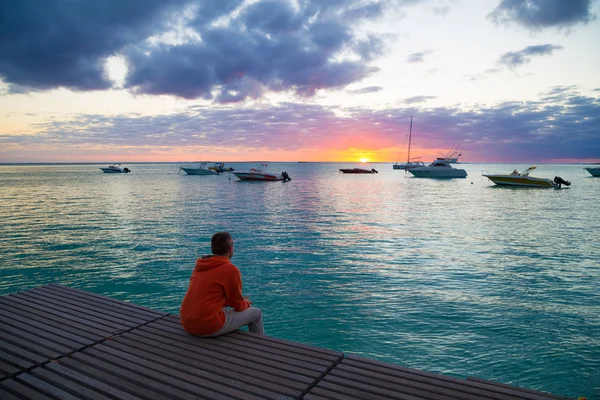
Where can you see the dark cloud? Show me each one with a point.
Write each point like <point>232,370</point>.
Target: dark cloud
<point>418,57</point>
<point>46,44</point>
<point>266,46</point>
<point>561,124</point>
<point>418,99</point>
<point>227,50</point>
<point>514,59</point>
<point>366,90</point>
<point>539,14</point>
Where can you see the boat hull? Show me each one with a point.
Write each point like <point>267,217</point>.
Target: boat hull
<point>594,171</point>
<point>357,171</point>
<point>253,176</point>
<point>435,172</point>
<point>521,181</point>
<point>113,171</point>
<point>198,171</point>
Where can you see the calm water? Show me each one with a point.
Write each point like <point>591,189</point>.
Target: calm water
<point>452,276</point>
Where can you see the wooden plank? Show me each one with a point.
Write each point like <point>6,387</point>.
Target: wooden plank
<point>494,385</point>
<point>137,378</point>
<point>45,387</point>
<point>58,305</point>
<point>108,314</point>
<point>50,310</point>
<point>347,391</point>
<point>87,381</point>
<point>6,329</point>
<point>317,352</point>
<point>67,385</point>
<point>381,384</point>
<point>114,380</point>
<point>319,393</point>
<point>7,369</point>
<point>387,376</point>
<point>232,377</point>
<point>19,357</point>
<point>67,322</point>
<point>204,345</point>
<point>234,349</point>
<point>258,347</point>
<point>28,345</point>
<point>114,302</point>
<point>18,388</point>
<point>215,360</point>
<point>195,380</point>
<point>5,395</point>
<point>34,326</point>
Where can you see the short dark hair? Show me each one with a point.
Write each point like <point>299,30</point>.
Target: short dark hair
<point>220,243</point>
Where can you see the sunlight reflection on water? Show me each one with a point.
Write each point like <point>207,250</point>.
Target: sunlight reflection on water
<point>452,276</point>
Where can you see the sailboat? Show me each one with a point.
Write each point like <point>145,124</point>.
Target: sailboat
<point>408,165</point>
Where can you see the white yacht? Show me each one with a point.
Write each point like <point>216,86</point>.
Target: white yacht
<point>201,170</point>
<point>440,168</point>
<point>115,169</point>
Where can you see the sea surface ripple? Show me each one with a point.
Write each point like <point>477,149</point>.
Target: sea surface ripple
<point>451,276</point>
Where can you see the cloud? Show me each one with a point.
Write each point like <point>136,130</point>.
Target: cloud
<point>540,14</point>
<point>514,59</point>
<point>47,44</point>
<point>270,46</point>
<point>561,124</point>
<point>366,90</point>
<point>225,51</point>
<point>418,99</point>
<point>418,57</point>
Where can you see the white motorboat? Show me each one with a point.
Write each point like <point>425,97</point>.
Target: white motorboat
<point>115,169</point>
<point>261,174</point>
<point>409,164</point>
<point>523,179</point>
<point>200,170</point>
<point>440,168</point>
<point>594,171</point>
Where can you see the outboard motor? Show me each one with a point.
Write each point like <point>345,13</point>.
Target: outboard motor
<point>560,181</point>
<point>286,177</point>
<point>126,170</point>
<point>374,171</point>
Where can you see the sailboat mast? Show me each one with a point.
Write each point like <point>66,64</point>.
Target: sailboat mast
<point>409,139</point>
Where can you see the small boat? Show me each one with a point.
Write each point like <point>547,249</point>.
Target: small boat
<point>201,170</point>
<point>409,164</point>
<point>594,171</point>
<point>115,169</point>
<point>220,167</point>
<point>523,179</point>
<point>261,174</point>
<point>440,168</point>
<point>358,171</point>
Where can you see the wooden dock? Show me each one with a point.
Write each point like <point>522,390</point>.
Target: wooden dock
<point>57,342</point>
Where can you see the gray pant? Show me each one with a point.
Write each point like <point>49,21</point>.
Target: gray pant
<point>251,316</point>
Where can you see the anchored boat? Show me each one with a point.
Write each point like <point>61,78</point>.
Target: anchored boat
<point>440,168</point>
<point>261,174</point>
<point>523,179</point>
<point>115,169</point>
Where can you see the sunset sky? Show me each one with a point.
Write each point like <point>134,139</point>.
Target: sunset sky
<point>299,80</point>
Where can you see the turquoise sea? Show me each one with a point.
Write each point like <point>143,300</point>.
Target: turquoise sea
<point>458,277</point>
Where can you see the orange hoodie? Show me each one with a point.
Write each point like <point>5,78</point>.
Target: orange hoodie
<point>215,283</point>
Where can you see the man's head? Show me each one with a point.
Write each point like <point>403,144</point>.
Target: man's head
<point>222,244</point>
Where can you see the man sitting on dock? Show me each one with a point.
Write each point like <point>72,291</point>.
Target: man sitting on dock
<point>215,284</point>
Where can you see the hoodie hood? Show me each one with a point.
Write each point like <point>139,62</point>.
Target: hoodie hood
<point>205,263</point>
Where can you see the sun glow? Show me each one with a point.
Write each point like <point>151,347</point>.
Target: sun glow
<point>364,160</point>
